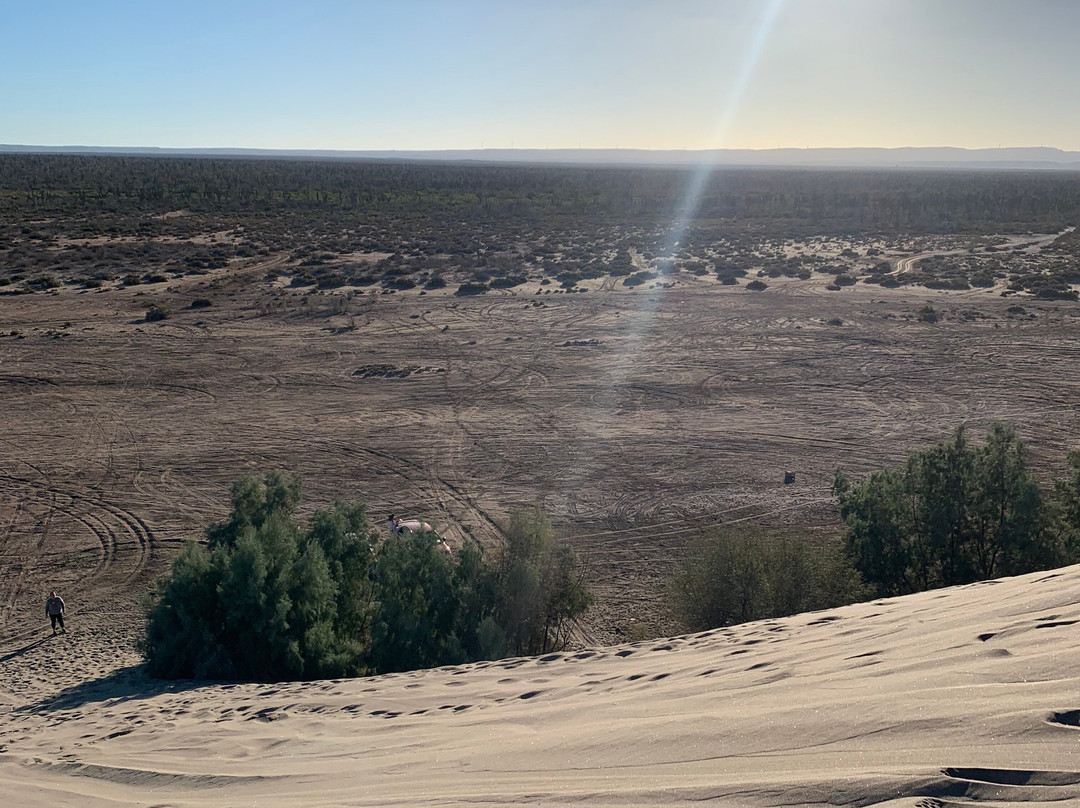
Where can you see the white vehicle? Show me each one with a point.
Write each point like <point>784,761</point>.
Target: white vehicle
<point>400,526</point>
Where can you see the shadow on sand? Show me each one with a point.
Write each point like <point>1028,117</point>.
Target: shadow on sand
<point>125,684</point>
<point>18,652</point>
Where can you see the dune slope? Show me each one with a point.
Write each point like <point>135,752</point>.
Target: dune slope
<point>947,697</point>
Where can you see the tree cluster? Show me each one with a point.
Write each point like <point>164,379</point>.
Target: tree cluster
<point>953,514</point>
<point>956,513</point>
<point>267,598</point>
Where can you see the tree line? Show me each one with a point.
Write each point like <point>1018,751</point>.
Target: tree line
<point>812,200</point>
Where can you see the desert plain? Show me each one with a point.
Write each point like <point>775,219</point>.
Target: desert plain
<point>636,417</point>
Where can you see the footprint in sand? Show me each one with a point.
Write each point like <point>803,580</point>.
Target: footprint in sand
<point>1014,777</point>
<point>1065,718</point>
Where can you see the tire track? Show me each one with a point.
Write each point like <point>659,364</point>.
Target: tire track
<point>125,541</point>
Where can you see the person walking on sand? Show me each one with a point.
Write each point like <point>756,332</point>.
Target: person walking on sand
<point>54,608</point>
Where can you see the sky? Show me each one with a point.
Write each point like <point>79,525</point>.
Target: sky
<point>469,74</point>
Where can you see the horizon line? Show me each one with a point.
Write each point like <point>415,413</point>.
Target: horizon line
<point>44,146</point>
<point>1036,158</point>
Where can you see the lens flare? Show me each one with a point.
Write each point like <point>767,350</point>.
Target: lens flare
<point>637,324</point>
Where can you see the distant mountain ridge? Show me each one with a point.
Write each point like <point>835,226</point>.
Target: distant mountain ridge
<point>1018,158</point>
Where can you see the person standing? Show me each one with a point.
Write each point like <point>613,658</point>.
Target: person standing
<point>54,608</point>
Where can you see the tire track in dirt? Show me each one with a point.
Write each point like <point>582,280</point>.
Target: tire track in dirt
<point>463,500</point>
<point>125,542</point>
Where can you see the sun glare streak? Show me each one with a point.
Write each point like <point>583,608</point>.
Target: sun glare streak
<point>698,180</point>
<point>640,322</point>
<point>700,176</point>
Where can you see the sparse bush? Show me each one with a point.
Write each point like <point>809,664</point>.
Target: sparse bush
<point>638,278</point>
<point>733,577</point>
<point>757,286</point>
<point>508,281</point>
<point>471,288</point>
<point>156,313</point>
<point>539,589</point>
<point>201,303</point>
<point>401,282</point>
<point>44,282</point>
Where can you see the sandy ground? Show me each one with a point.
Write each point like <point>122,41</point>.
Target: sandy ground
<point>635,418</point>
<point>954,697</point>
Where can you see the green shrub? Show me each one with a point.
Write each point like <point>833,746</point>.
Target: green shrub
<point>955,513</point>
<point>416,616</point>
<point>268,599</point>
<point>1066,507</point>
<point>539,590</point>
<point>638,278</point>
<point>265,600</point>
<point>471,288</point>
<point>733,577</point>
<point>156,313</point>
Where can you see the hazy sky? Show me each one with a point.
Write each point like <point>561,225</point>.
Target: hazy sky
<point>433,74</point>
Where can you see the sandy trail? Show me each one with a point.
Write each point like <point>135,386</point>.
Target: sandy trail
<point>1032,243</point>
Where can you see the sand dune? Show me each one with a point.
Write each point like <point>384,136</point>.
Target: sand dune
<point>947,697</point>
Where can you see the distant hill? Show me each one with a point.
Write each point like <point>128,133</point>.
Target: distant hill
<point>1034,158</point>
